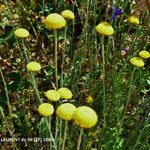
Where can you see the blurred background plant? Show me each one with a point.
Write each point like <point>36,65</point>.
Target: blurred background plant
<point>82,72</point>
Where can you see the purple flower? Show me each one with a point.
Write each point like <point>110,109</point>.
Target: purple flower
<point>126,48</point>
<point>116,12</point>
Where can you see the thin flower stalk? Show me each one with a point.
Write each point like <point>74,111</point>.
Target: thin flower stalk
<point>128,98</point>
<point>65,135</point>
<point>63,56</point>
<point>6,91</point>
<point>80,139</point>
<point>56,59</point>
<point>103,76</point>
<point>34,84</point>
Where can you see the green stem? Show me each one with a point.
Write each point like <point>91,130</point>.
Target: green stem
<point>50,131</point>
<point>80,138</point>
<point>51,135</point>
<point>2,113</point>
<point>103,78</point>
<point>86,29</point>
<point>43,6</point>
<point>63,55</point>
<point>20,50</point>
<point>25,51</point>
<point>56,63</point>
<point>60,134</point>
<point>128,98</point>
<point>65,133</point>
<point>9,107</point>
<point>56,131</point>
<point>142,131</point>
<point>107,9</point>
<point>35,87</point>
<point>6,91</point>
<point>134,40</point>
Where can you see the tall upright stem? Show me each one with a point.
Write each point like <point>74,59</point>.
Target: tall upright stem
<point>6,91</point>
<point>56,64</point>
<point>65,133</point>
<point>35,87</point>
<point>86,28</point>
<point>80,139</point>
<point>142,131</point>
<point>25,51</point>
<point>63,56</point>
<point>128,98</point>
<point>103,78</point>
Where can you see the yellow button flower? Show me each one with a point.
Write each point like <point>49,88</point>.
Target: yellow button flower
<point>33,66</point>
<point>52,95</point>
<point>85,117</point>
<point>2,7</point>
<point>133,20</point>
<point>65,93</point>
<point>21,32</point>
<point>137,61</point>
<point>144,54</point>
<point>68,14</point>
<point>104,28</point>
<point>54,21</point>
<point>89,99</point>
<point>65,111</point>
<point>46,109</point>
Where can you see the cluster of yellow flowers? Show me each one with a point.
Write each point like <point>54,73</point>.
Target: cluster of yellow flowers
<point>57,21</point>
<point>52,21</point>
<point>55,95</point>
<point>83,116</point>
<point>138,61</point>
<point>106,29</point>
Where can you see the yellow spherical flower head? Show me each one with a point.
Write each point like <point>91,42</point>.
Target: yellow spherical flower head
<point>144,54</point>
<point>65,93</point>
<point>21,32</point>
<point>68,14</point>
<point>137,61</point>
<point>33,66</point>
<point>54,21</point>
<point>46,109</point>
<point>85,117</point>
<point>52,95</point>
<point>65,111</point>
<point>104,28</point>
<point>89,99</point>
<point>133,20</point>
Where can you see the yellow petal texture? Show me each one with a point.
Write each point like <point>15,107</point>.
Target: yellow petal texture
<point>68,14</point>
<point>21,32</point>
<point>133,20</point>
<point>65,93</point>
<point>144,54</point>
<point>33,66</point>
<point>65,111</point>
<point>46,109</point>
<point>104,28</point>
<point>54,21</point>
<point>137,61</point>
<point>52,95</point>
<point>85,117</point>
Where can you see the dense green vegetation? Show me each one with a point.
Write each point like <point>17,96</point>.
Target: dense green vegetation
<point>95,55</point>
